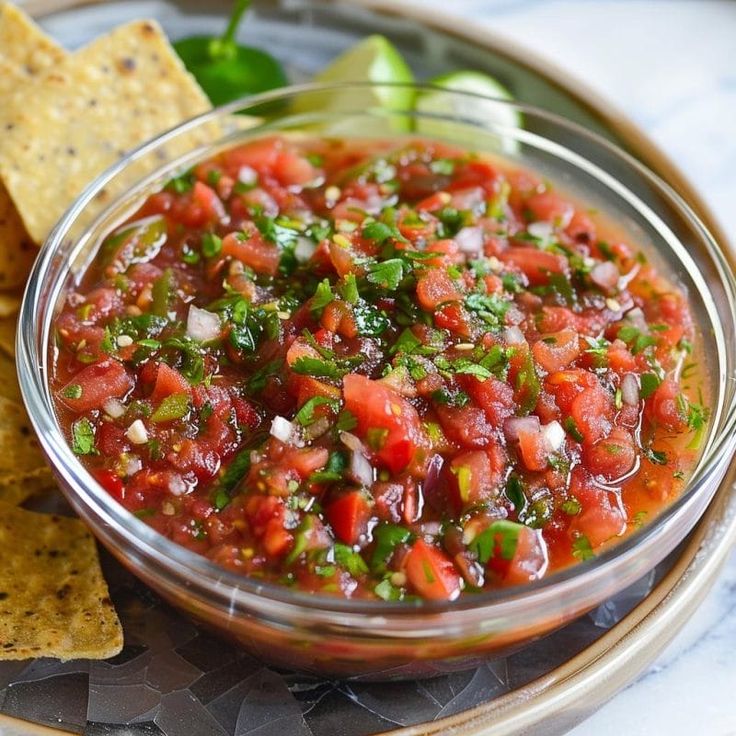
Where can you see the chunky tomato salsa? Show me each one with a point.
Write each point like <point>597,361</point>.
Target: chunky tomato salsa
<point>390,370</point>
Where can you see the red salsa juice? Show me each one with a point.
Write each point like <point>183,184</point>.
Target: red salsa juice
<point>389,370</point>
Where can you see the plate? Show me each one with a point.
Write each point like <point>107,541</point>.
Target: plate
<point>173,678</point>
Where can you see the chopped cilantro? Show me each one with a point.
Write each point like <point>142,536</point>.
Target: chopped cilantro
<point>211,245</point>
<point>491,308</point>
<point>72,391</point>
<point>322,297</point>
<point>387,591</point>
<point>636,339</point>
<point>83,437</point>
<point>349,559</point>
<point>582,549</point>
<point>498,540</point>
<point>337,463</point>
<point>649,383</point>
<point>387,537</point>
<point>386,274</point>
<point>305,415</point>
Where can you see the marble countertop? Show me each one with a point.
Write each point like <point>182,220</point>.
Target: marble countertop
<point>670,66</point>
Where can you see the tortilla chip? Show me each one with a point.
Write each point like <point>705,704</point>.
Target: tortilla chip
<point>9,305</point>
<point>16,490</point>
<point>7,336</point>
<point>9,388</point>
<point>17,250</point>
<point>25,50</point>
<point>80,117</point>
<point>54,601</point>
<point>20,452</point>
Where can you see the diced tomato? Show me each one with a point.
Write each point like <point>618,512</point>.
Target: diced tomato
<point>252,250</point>
<point>534,449</point>
<point>495,397</point>
<point>212,208</point>
<point>550,207</point>
<point>348,516</point>
<point>581,228</point>
<point>436,288</point>
<point>95,384</point>
<point>620,359</point>
<point>310,387</point>
<point>305,460</point>
<point>260,155</point>
<point>454,318</point>
<point>166,381</point>
<point>592,412</point>
<point>473,477</point>
<point>535,264</point>
<point>111,482</point>
<point>613,456</point>
<point>466,425</point>
<point>431,573</point>
<point>387,421</point>
<point>601,517</point>
<point>556,350</point>
<point>530,558</point>
<point>566,385</point>
<point>342,258</point>
<point>662,406</point>
<point>291,169</point>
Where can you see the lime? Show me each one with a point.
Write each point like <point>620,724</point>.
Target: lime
<point>374,59</point>
<point>486,112</point>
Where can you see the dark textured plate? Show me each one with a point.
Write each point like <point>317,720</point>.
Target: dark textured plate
<point>173,678</point>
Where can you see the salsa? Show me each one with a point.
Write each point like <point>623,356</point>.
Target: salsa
<point>391,369</point>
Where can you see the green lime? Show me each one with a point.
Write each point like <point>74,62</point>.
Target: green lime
<point>485,112</point>
<point>374,59</point>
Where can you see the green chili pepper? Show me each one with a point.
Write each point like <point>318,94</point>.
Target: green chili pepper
<point>172,407</point>
<point>226,70</point>
<point>161,294</point>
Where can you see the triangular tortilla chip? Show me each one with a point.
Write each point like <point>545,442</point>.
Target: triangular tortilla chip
<point>15,490</point>
<point>7,335</point>
<point>25,52</point>
<point>9,387</point>
<point>20,452</point>
<point>76,120</point>
<point>54,601</point>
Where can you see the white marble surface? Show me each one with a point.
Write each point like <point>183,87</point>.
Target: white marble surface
<point>670,65</point>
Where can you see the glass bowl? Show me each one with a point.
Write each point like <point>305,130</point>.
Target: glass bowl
<point>329,635</point>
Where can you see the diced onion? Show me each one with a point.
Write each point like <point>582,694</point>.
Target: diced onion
<point>541,230</point>
<point>202,325</point>
<point>513,426</point>
<point>247,175</point>
<point>304,249</point>
<point>630,390</point>
<point>361,469</point>
<point>513,336</point>
<point>351,442</point>
<point>176,485</point>
<point>554,434</point>
<point>605,275</point>
<point>133,465</point>
<point>137,433</point>
<point>470,239</point>
<point>284,430</point>
<point>114,408</point>
<point>637,319</point>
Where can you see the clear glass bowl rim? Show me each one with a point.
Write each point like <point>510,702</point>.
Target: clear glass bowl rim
<point>201,572</point>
